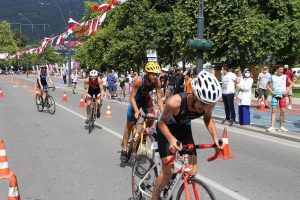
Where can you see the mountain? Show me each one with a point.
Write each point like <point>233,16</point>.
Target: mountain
<point>49,12</point>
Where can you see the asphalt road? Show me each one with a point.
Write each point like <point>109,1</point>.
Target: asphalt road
<point>55,157</point>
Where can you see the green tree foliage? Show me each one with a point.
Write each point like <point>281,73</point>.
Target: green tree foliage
<point>243,32</point>
<point>7,42</point>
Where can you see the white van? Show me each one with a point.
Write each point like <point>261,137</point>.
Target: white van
<point>297,72</point>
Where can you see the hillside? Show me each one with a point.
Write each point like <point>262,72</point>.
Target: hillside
<point>40,12</point>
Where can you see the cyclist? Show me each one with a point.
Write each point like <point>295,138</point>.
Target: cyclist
<point>42,84</point>
<point>93,87</point>
<point>175,123</point>
<point>140,98</point>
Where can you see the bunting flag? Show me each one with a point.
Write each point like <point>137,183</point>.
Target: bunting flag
<point>87,28</point>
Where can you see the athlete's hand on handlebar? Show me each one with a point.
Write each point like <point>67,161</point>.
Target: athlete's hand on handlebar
<point>137,114</point>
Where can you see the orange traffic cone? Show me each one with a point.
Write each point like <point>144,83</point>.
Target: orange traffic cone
<point>13,192</point>
<point>4,170</point>
<point>226,151</point>
<point>1,93</point>
<point>108,112</point>
<point>25,85</point>
<point>262,106</point>
<point>34,89</point>
<point>65,98</point>
<point>81,103</point>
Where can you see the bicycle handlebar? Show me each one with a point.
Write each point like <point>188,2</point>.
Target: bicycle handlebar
<point>148,117</point>
<point>191,147</point>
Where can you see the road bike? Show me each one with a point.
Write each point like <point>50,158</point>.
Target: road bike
<point>142,141</point>
<point>46,100</point>
<point>93,114</point>
<point>145,171</point>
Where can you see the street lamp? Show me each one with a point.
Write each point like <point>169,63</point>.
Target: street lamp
<point>31,25</point>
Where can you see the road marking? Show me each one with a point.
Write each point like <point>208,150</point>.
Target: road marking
<point>206,180</point>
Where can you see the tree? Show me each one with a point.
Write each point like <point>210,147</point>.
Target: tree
<point>7,43</point>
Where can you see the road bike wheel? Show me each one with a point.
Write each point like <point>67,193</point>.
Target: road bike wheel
<point>145,149</point>
<point>39,105</point>
<point>51,105</point>
<point>141,167</point>
<point>203,190</point>
<point>91,121</point>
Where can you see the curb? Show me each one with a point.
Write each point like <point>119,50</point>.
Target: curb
<point>262,130</point>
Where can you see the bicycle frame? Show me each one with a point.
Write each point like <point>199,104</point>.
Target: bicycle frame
<point>182,174</point>
<point>139,134</point>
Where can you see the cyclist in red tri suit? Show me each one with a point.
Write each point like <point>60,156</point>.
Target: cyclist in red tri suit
<point>93,87</point>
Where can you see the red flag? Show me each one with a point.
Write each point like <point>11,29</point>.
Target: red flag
<point>86,32</point>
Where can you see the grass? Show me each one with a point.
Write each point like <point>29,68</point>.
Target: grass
<point>296,92</point>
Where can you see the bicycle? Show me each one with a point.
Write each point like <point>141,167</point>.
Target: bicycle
<point>46,101</point>
<point>142,141</point>
<point>93,114</point>
<point>147,171</point>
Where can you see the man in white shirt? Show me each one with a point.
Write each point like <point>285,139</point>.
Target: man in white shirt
<point>228,90</point>
<point>262,81</point>
<point>279,91</point>
<point>74,77</point>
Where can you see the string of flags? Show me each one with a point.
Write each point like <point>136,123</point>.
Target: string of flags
<point>86,28</point>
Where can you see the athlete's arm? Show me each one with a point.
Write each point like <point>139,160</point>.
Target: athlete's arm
<point>101,87</point>
<point>137,83</point>
<point>39,79</point>
<point>172,106</point>
<point>159,96</point>
<point>211,126</point>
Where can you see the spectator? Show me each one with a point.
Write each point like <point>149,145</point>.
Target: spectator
<point>122,80</point>
<point>239,78</point>
<point>261,86</point>
<point>111,80</point>
<point>104,83</point>
<point>179,87</point>
<point>187,82</point>
<point>244,98</point>
<point>171,82</point>
<point>278,90</point>
<point>228,89</point>
<point>74,77</point>
<point>289,76</point>
<point>64,73</point>
<point>164,79</point>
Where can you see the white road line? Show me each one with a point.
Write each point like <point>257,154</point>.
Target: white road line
<point>206,180</point>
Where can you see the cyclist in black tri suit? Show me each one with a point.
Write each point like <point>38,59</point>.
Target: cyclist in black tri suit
<point>175,123</point>
<point>42,84</point>
<point>140,98</point>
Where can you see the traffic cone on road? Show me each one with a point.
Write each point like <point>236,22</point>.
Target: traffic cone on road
<point>25,85</point>
<point>108,111</point>
<point>226,150</point>
<point>262,106</point>
<point>13,192</point>
<point>81,103</point>
<point>4,169</point>
<point>65,98</point>
<point>1,93</point>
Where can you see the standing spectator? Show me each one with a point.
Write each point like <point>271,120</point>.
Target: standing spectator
<point>262,81</point>
<point>187,82</point>
<point>179,87</point>
<point>74,77</point>
<point>289,76</point>
<point>171,82</point>
<point>239,78</point>
<point>122,80</point>
<point>244,98</point>
<point>278,90</point>
<point>104,83</point>
<point>164,79</point>
<point>111,80</point>
<point>64,73</point>
<point>228,90</point>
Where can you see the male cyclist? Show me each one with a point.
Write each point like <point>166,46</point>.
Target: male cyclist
<point>42,84</point>
<point>140,98</point>
<point>175,123</point>
<point>93,87</point>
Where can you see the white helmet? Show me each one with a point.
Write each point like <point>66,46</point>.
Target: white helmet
<point>93,74</point>
<point>206,87</point>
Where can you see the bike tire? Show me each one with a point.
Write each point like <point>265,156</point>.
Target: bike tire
<point>150,140</point>
<point>51,105</point>
<point>39,106</point>
<point>204,191</point>
<point>91,121</point>
<point>140,168</point>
